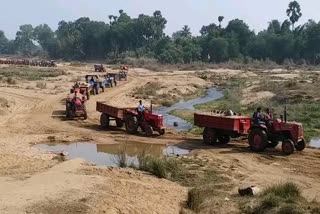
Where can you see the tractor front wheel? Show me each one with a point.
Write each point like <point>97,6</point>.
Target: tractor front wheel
<point>131,124</point>
<point>209,136</point>
<point>104,120</point>
<point>287,147</point>
<point>258,140</point>
<point>301,145</point>
<point>149,130</point>
<point>162,131</point>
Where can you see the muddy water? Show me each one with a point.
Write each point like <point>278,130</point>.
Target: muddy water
<point>315,143</point>
<point>212,94</point>
<point>102,154</point>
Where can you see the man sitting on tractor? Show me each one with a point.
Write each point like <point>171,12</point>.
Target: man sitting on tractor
<point>140,110</point>
<point>257,117</point>
<point>91,82</point>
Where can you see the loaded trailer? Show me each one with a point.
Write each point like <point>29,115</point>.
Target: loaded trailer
<point>219,128</point>
<point>148,122</point>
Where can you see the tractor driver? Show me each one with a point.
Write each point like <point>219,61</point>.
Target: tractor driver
<point>258,117</point>
<point>91,81</point>
<point>140,110</point>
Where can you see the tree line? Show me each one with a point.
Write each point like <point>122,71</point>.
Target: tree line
<point>124,36</point>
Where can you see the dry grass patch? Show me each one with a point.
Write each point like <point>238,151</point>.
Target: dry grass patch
<point>283,198</point>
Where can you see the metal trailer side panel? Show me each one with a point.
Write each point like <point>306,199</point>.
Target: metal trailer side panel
<point>233,123</point>
<point>110,110</point>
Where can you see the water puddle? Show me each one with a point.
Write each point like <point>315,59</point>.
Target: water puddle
<point>315,143</point>
<point>105,155</point>
<point>212,94</point>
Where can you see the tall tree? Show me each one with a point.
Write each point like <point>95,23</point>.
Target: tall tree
<point>294,12</point>
<point>183,33</point>
<point>220,19</point>
<point>274,27</point>
<point>46,38</point>
<point>3,43</point>
<point>24,40</point>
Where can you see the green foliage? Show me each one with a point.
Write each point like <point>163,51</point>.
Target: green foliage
<point>144,37</point>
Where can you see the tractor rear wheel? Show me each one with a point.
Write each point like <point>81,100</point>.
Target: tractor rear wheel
<point>301,145</point>
<point>149,130</point>
<point>131,124</point>
<point>209,136</point>
<point>162,131</point>
<point>104,120</point>
<point>224,139</point>
<point>119,123</point>
<point>287,147</point>
<point>258,140</point>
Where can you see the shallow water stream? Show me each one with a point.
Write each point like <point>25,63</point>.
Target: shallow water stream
<point>212,94</point>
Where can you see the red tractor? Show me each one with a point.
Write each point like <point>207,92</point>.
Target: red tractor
<point>148,122</point>
<point>99,68</point>
<point>84,89</point>
<point>75,107</point>
<point>269,134</point>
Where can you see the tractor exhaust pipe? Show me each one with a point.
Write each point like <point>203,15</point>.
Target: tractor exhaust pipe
<point>285,113</point>
<point>151,107</point>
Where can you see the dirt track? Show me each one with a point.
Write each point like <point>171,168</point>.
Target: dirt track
<point>31,181</point>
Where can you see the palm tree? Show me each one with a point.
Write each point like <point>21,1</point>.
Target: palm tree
<point>220,19</point>
<point>294,12</point>
<point>110,17</point>
<point>185,32</point>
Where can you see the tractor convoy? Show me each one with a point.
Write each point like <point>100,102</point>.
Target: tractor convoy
<point>82,91</point>
<point>219,127</point>
<point>39,63</point>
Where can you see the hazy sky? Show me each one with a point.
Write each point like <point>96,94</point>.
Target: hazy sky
<point>195,13</point>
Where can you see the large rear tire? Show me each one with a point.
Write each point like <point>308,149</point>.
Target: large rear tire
<point>131,124</point>
<point>104,120</point>
<point>149,130</point>
<point>287,147</point>
<point>258,140</point>
<point>209,136</point>
<point>301,145</point>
